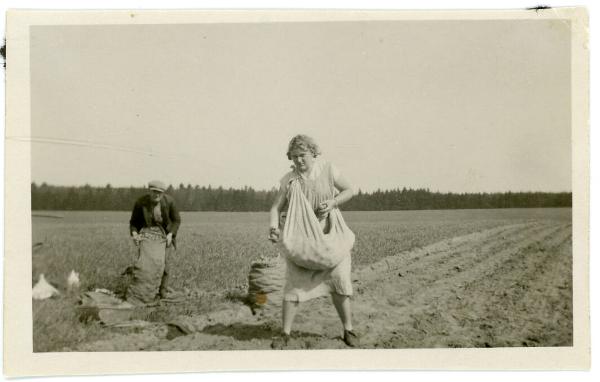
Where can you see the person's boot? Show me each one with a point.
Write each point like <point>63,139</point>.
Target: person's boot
<point>351,338</point>
<point>281,342</point>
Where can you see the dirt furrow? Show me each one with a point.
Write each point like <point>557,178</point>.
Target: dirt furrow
<point>405,283</point>
<point>457,313</point>
<point>440,254</point>
<point>540,292</point>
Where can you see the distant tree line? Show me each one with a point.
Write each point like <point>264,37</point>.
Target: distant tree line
<point>196,198</point>
<point>424,199</point>
<point>187,198</point>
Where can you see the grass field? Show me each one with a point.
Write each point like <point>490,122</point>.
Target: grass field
<point>214,255</point>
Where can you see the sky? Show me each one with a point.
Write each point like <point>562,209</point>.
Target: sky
<point>460,106</point>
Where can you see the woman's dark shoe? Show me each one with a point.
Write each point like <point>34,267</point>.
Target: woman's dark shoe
<point>281,342</point>
<point>351,339</point>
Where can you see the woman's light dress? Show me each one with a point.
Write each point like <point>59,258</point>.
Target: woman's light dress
<point>304,284</point>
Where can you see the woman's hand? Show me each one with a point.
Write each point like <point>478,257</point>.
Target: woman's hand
<point>327,206</point>
<point>274,234</point>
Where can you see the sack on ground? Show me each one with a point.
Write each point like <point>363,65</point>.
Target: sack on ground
<point>265,281</point>
<point>104,306</point>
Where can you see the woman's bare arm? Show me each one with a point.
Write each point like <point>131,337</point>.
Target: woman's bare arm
<point>346,193</point>
<point>276,208</point>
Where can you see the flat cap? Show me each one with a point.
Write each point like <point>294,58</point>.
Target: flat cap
<point>157,185</point>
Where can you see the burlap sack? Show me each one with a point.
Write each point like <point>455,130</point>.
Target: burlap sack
<point>265,282</point>
<point>149,267</point>
<point>304,241</point>
<point>104,306</point>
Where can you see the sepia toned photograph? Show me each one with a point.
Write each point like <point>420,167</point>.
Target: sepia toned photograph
<point>300,183</point>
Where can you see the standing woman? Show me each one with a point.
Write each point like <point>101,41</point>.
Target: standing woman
<point>325,189</point>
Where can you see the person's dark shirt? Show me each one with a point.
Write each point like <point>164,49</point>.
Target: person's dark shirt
<point>142,215</point>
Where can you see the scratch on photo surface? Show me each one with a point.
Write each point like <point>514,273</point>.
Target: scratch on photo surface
<point>538,7</point>
<point>60,141</point>
<point>543,7</point>
<point>3,53</point>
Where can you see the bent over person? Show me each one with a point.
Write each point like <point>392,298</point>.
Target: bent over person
<point>153,226</point>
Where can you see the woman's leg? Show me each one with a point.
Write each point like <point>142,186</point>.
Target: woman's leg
<point>342,305</point>
<point>289,309</point>
<point>289,312</point>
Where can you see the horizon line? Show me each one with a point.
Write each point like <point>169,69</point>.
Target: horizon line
<point>356,189</point>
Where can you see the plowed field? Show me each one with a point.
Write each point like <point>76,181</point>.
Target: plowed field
<point>505,286</point>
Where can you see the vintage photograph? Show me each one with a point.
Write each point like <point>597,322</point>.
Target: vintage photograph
<point>305,184</point>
